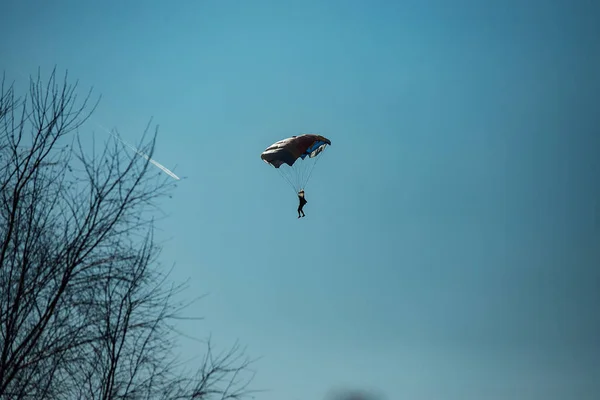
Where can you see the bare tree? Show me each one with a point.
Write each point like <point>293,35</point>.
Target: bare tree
<point>85,310</point>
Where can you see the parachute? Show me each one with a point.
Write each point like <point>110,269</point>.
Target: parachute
<point>289,157</point>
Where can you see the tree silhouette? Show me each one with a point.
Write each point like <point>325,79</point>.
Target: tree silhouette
<point>85,311</point>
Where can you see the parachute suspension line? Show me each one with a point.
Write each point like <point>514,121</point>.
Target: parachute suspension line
<point>300,173</point>
<point>313,166</point>
<point>288,178</point>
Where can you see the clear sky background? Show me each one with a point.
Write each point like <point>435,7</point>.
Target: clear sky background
<point>451,248</point>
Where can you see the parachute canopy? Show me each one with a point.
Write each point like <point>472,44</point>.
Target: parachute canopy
<point>289,150</point>
<point>288,157</point>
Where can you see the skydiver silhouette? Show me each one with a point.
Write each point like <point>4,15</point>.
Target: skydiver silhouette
<point>302,203</point>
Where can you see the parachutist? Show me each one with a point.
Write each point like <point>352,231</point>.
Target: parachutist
<point>302,203</point>
<point>295,158</point>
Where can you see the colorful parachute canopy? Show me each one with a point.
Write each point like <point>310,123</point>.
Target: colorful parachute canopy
<point>289,150</point>
<point>292,152</point>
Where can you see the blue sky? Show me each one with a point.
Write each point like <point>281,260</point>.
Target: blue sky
<point>451,248</point>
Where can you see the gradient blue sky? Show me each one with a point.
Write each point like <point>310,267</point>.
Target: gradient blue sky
<point>451,248</point>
